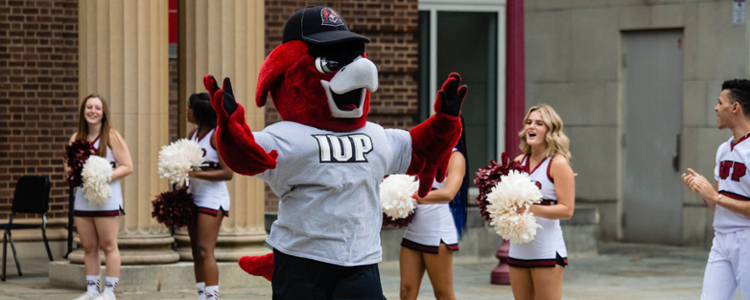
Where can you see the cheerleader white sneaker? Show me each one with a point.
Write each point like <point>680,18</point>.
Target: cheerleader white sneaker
<point>85,296</point>
<point>104,296</point>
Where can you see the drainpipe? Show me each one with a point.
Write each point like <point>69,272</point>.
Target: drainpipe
<point>515,107</point>
<point>515,83</point>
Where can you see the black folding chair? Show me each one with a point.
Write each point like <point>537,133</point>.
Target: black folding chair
<point>31,196</point>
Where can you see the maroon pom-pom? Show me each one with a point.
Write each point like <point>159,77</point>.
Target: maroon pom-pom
<point>489,176</point>
<point>174,208</point>
<point>77,153</point>
<point>398,223</point>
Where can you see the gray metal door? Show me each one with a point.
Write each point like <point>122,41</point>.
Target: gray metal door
<point>652,204</point>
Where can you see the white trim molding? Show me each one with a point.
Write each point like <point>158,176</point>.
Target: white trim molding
<point>468,5</point>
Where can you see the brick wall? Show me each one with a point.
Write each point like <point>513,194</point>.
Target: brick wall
<point>392,26</point>
<point>38,94</point>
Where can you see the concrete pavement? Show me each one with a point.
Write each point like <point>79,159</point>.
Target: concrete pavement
<point>621,271</point>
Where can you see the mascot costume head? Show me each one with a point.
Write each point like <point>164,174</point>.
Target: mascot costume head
<point>324,63</point>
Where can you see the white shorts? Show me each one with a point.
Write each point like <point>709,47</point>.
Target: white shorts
<point>210,196</point>
<point>728,267</point>
<point>113,206</point>
<point>547,249</point>
<point>432,224</point>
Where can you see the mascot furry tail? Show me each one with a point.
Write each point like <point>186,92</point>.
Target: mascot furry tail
<point>258,265</point>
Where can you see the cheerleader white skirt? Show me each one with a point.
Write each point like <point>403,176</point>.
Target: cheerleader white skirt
<point>211,197</point>
<point>432,225</point>
<point>547,249</point>
<point>113,206</point>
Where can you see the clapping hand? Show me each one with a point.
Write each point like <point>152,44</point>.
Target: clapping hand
<point>699,185</point>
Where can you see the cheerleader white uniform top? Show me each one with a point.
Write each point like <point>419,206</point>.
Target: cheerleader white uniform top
<point>210,196</point>
<point>113,206</point>
<point>547,249</point>
<point>730,172</point>
<point>431,225</point>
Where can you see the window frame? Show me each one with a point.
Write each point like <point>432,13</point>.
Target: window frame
<point>497,6</point>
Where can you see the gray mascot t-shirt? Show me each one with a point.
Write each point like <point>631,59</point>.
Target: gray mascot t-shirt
<point>328,183</point>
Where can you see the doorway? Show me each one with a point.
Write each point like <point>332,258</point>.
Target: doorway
<point>652,115</point>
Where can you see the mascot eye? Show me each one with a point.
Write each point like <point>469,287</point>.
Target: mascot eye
<point>325,66</point>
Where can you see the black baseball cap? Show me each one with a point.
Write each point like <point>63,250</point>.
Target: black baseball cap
<point>319,25</point>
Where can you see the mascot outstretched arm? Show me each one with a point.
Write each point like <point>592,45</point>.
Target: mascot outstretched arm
<point>433,139</point>
<point>234,139</point>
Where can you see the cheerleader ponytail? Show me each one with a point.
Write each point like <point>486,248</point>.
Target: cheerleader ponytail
<point>459,204</point>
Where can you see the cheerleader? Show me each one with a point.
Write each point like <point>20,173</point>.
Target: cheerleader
<point>536,268</point>
<point>433,234</point>
<point>98,225</point>
<point>211,196</point>
<point>728,266</point>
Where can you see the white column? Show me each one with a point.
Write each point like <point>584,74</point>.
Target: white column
<point>225,39</point>
<point>123,56</point>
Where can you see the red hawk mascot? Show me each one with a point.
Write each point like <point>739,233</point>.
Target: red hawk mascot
<point>324,160</point>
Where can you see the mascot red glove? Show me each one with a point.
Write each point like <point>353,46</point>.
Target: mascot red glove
<point>233,133</point>
<point>325,160</point>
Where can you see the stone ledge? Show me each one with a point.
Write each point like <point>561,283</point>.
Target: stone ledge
<point>153,278</point>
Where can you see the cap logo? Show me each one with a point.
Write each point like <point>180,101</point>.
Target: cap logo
<point>330,17</point>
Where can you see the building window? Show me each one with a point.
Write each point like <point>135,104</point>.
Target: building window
<point>466,40</point>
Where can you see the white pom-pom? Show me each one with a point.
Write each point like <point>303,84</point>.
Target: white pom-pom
<point>396,193</point>
<point>177,159</point>
<point>514,191</point>
<point>96,174</point>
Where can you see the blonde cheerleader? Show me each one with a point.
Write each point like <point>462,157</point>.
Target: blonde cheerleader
<point>537,267</point>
